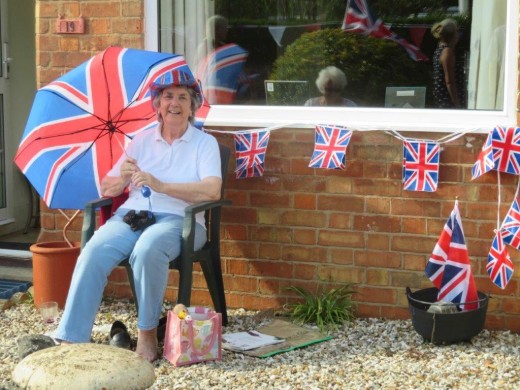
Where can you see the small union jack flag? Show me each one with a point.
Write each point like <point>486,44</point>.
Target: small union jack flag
<point>448,266</point>
<point>511,226</point>
<point>359,19</point>
<point>250,149</point>
<point>506,149</point>
<point>420,165</point>
<point>499,266</point>
<point>330,147</point>
<point>485,161</point>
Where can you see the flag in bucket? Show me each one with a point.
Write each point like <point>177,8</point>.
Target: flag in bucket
<point>449,268</point>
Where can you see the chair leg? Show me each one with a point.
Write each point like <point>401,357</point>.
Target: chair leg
<point>185,283</point>
<point>130,274</point>
<point>213,274</point>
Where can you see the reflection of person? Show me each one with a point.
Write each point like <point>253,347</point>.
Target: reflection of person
<point>181,165</point>
<point>448,74</point>
<point>331,82</point>
<point>216,33</point>
<point>220,65</point>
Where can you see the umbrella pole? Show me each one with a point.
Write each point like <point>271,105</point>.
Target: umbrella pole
<point>69,221</point>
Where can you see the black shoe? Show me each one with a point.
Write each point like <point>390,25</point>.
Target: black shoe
<point>119,336</point>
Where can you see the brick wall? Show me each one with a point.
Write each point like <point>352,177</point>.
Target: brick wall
<point>307,227</point>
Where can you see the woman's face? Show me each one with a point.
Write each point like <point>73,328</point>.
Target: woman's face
<point>175,105</point>
<point>331,89</point>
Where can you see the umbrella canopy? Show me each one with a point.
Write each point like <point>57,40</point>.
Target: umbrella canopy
<point>80,123</point>
<point>221,71</point>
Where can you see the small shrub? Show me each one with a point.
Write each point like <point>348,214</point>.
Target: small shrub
<point>327,310</point>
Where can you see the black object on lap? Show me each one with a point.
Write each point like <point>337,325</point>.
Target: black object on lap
<point>139,220</point>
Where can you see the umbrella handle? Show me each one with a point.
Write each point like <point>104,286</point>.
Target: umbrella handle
<point>69,221</point>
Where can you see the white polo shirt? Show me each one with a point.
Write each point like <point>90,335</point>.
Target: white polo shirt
<point>188,159</point>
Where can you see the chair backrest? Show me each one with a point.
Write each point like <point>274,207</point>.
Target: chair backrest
<point>224,162</point>
<point>213,216</point>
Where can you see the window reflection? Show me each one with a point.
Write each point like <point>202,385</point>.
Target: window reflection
<point>271,52</point>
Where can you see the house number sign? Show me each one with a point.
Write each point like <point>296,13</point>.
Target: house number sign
<point>70,26</point>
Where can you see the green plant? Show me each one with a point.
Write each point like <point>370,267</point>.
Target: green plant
<point>327,310</point>
<point>370,64</point>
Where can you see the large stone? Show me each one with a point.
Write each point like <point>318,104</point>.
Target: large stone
<point>31,343</point>
<point>84,366</point>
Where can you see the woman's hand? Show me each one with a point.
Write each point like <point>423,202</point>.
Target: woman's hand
<point>128,168</point>
<point>141,178</point>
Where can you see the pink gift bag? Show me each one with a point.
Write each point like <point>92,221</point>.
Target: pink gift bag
<point>193,340</point>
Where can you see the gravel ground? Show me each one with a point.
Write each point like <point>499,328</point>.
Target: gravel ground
<point>365,354</point>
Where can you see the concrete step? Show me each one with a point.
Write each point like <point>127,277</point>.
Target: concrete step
<point>16,265</point>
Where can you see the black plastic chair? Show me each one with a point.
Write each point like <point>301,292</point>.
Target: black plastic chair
<point>208,256</point>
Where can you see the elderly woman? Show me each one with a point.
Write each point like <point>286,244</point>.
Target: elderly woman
<point>448,74</point>
<point>331,82</point>
<point>181,165</point>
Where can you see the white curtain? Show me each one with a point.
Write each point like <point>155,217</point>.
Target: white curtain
<point>486,66</point>
<point>183,26</point>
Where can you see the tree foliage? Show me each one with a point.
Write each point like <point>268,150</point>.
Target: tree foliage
<point>370,64</point>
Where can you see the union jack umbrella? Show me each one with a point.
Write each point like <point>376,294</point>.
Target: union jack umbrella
<point>221,72</point>
<point>80,123</point>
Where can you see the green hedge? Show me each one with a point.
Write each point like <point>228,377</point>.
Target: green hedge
<point>370,64</point>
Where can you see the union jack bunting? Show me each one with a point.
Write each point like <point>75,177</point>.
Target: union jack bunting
<point>506,149</point>
<point>359,19</point>
<point>448,266</point>
<point>330,146</point>
<point>499,266</point>
<point>485,161</point>
<point>511,226</point>
<point>250,149</point>
<point>420,165</point>
<point>221,72</point>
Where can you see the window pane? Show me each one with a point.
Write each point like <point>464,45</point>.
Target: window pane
<point>259,53</point>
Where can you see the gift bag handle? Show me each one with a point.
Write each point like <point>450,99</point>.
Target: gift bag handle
<point>205,351</point>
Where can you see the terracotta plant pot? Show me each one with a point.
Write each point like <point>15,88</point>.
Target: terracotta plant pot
<point>445,328</point>
<point>53,264</point>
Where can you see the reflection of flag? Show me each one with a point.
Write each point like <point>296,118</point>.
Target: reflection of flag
<point>421,165</point>
<point>511,226</point>
<point>506,149</point>
<point>499,266</point>
<point>449,268</point>
<point>250,151</point>
<point>220,73</point>
<point>485,161</point>
<point>330,147</point>
<point>359,19</point>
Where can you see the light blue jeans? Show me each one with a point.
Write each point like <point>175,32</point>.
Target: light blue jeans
<point>149,253</point>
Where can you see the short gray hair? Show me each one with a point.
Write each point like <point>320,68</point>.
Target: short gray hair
<point>195,102</point>
<point>336,75</point>
<point>445,30</point>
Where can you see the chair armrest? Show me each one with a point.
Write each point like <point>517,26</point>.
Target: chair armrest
<point>89,218</point>
<point>188,231</point>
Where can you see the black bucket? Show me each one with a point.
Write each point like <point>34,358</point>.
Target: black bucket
<point>445,328</point>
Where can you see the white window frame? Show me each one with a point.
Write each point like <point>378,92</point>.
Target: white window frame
<point>369,118</point>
